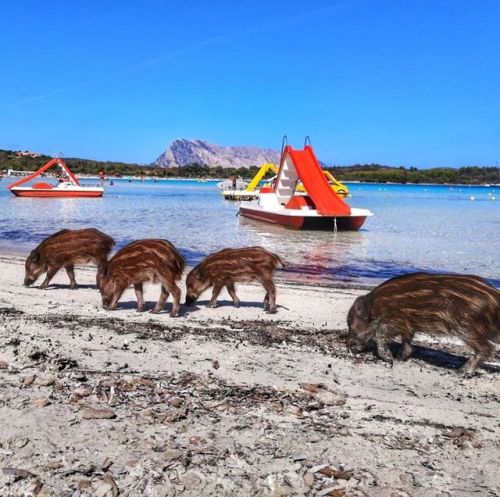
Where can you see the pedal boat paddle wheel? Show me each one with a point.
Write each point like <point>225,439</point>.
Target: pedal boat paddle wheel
<point>320,208</point>
<point>70,187</point>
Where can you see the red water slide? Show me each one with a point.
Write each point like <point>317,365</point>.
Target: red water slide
<point>44,168</point>
<point>327,202</point>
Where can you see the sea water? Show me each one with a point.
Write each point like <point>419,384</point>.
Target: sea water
<point>414,228</point>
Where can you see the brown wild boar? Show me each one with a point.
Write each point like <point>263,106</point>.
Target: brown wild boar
<point>65,249</point>
<point>228,266</point>
<point>139,262</point>
<point>437,304</point>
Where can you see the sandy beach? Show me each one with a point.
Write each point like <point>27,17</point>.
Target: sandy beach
<point>229,402</point>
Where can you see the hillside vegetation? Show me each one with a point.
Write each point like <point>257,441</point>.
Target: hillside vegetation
<point>370,173</point>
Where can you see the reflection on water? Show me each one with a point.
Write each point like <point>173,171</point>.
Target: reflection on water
<point>414,228</point>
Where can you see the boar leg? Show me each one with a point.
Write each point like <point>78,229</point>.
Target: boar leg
<point>51,271</point>
<point>176,298</point>
<point>70,269</point>
<point>383,335</point>
<point>232,292</point>
<point>215,293</point>
<point>140,297</point>
<point>406,349</point>
<point>482,351</point>
<point>406,339</point>
<point>161,301</point>
<point>270,298</point>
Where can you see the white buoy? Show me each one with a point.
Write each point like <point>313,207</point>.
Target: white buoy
<point>472,198</point>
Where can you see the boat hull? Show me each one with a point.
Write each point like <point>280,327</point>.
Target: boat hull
<point>54,193</point>
<point>298,222</point>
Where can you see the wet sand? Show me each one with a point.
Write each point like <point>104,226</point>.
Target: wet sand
<point>228,401</point>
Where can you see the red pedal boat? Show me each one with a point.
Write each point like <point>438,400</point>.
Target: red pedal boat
<point>66,188</point>
<point>320,208</point>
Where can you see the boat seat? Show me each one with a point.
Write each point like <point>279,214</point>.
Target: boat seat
<point>300,202</point>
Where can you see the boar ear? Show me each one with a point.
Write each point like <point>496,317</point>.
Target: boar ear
<point>362,308</point>
<point>198,273</point>
<point>35,256</point>
<point>102,270</point>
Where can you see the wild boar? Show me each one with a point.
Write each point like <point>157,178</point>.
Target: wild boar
<point>65,249</point>
<point>139,262</point>
<point>437,304</point>
<point>228,266</point>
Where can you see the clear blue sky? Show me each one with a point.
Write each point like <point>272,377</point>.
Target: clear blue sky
<point>399,82</point>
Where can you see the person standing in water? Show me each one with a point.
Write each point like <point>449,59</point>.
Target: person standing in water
<point>102,177</point>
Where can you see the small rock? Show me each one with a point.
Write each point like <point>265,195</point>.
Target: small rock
<point>332,398</point>
<point>309,479</point>
<point>41,401</point>
<point>4,365</point>
<point>400,493</point>
<point>172,454</point>
<point>45,382</point>
<point>96,413</point>
<point>175,401</point>
<point>195,440</point>
<point>83,391</point>
<point>28,380</point>
<point>315,469</point>
<point>293,480</point>
<point>83,484</point>
<point>192,479</point>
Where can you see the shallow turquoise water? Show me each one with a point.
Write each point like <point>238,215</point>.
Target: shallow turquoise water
<point>435,228</point>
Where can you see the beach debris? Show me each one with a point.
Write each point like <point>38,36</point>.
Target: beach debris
<point>323,394</point>
<point>338,474</point>
<point>111,482</point>
<point>18,472</point>
<point>464,438</point>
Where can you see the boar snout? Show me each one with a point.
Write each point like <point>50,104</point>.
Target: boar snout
<point>191,299</point>
<point>29,281</point>
<point>357,343</point>
<point>105,303</point>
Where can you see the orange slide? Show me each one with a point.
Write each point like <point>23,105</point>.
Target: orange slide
<point>327,202</point>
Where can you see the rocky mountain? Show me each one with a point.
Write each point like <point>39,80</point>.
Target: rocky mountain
<point>183,152</point>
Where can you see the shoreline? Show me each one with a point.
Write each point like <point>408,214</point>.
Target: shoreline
<point>230,401</point>
<point>204,179</point>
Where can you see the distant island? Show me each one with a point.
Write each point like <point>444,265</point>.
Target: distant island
<point>368,173</point>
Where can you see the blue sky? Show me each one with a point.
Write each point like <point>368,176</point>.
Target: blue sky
<point>399,82</point>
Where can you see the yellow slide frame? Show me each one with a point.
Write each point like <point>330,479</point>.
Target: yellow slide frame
<point>338,187</point>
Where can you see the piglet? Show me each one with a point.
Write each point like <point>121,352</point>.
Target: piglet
<point>139,262</point>
<point>65,249</point>
<point>437,304</point>
<point>228,266</point>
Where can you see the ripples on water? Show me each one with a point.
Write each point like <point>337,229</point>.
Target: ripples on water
<point>434,228</point>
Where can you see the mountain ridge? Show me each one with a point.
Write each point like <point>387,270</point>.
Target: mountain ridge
<point>183,152</point>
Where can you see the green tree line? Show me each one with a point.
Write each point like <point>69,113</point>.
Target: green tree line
<point>370,173</point>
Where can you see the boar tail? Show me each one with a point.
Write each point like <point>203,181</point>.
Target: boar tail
<point>179,263</point>
<point>278,260</point>
<point>110,242</point>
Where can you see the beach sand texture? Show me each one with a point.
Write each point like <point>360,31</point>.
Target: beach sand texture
<point>228,401</point>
